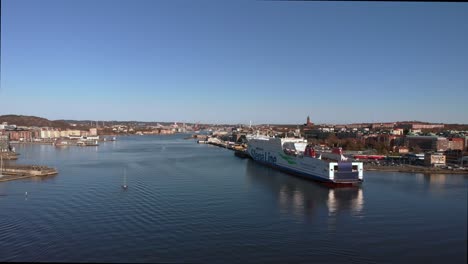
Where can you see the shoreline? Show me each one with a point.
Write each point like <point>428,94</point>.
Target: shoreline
<point>414,169</point>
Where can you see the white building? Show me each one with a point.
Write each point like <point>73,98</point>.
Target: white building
<point>93,132</point>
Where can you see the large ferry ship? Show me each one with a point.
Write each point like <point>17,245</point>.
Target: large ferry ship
<point>295,156</point>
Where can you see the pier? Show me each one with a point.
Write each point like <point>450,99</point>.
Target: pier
<point>15,172</point>
<point>9,155</point>
<point>240,150</point>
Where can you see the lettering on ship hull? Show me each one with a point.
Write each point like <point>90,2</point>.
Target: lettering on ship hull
<point>263,156</point>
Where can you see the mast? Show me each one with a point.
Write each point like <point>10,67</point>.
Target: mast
<point>1,165</point>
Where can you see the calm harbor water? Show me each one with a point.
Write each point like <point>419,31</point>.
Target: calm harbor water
<point>191,202</point>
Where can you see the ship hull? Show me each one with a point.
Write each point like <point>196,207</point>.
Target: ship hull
<point>311,177</point>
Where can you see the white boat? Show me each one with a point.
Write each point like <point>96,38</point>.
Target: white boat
<point>295,156</point>
<point>124,185</point>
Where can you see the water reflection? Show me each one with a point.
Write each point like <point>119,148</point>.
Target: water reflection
<point>304,198</point>
<point>432,179</point>
<point>437,179</point>
<point>438,184</point>
<point>43,178</point>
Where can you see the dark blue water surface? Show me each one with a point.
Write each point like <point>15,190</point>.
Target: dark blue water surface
<point>189,202</point>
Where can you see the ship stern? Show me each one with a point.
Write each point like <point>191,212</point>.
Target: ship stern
<point>345,173</point>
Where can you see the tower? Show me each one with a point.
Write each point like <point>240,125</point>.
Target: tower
<point>309,124</point>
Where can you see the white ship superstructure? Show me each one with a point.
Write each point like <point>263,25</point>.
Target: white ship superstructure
<point>295,156</point>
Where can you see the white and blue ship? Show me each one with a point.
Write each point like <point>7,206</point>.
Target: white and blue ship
<point>295,156</point>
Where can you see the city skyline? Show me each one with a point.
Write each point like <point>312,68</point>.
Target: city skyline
<point>191,122</point>
<point>269,62</point>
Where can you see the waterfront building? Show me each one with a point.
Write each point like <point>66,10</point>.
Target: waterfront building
<point>419,125</point>
<point>45,133</point>
<point>456,143</point>
<point>166,131</point>
<point>49,133</point>
<point>93,132</point>
<point>390,141</point>
<point>316,134</point>
<point>427,143</point>
<point>346,134</point>
<point>401,150</point>
<point>64,133</point>
<point>357,126</point>
<point>5,126</point>
<point>415,158</point>
<point>382,125</point>
<point>20,135</point>
<point>427,126</point>
<point>453,156</point>
<point>442,144</point>
<point>4,143</point>
<point>338,127</point>
<point>397,131</point>
<point>434,159</point>
<point>35,133</point>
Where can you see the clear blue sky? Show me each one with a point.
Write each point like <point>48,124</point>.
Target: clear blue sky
<point>231,62</point>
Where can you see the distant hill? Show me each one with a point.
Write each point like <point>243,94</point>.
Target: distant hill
<point>459,127</point>
<point>21,120</point>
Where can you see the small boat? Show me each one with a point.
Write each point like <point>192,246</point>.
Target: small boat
<point>60,143</point>
<point>124,185</point>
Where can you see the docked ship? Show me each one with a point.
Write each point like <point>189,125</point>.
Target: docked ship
<point>295,156</point>
<point>60,143</point>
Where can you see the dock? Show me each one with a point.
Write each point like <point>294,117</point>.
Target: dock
<point>15,172</point>
<point>240,150</point>
<point>9,155</point>
<point>243,154</point>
